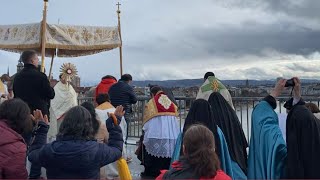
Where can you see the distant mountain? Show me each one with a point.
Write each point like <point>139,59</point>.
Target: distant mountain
<point>198,82</point>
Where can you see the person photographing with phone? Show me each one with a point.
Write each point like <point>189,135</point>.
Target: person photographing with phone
<point>268,150</point>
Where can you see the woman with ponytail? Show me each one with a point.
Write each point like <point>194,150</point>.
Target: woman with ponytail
<point>199,160</point>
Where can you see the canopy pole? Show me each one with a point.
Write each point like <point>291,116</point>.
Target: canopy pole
<point>119,29</point>
<point>50,72</point>
<point>43,34</point>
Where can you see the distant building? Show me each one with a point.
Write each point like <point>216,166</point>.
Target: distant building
<point>19,66</point>
<point>247,83</point>
<point>234,91</point>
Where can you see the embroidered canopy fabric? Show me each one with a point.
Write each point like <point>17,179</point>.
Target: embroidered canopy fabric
<point>69,40</point>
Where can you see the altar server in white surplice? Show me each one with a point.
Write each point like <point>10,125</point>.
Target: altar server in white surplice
<point>161,130</point>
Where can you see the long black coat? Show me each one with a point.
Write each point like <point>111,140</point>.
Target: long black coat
<point>303,143</point>
<point>34,88</point>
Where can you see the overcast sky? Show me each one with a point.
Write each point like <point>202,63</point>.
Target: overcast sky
<point>175,39</point>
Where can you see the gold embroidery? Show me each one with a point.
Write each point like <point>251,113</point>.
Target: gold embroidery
<point>14,31</point>
<point>71,31</point>
<point>164,101</point>
<point>53,32</point>
<point>215,86</point>
<point>77,37</point>
<point>151,111</point>
<point>86,35</point>
<point>98,34</point>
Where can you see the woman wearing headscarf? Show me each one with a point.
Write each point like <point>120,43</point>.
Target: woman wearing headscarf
<point>227,120</point>
<point>201,113</point>
<point>303,140</point>
<point>268,151</point>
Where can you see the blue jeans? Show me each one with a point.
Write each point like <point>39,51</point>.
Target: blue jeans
<point>129,118</point>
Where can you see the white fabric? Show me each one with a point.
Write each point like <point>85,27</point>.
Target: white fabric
<point>65,98</point>
<point>5,93</point>
<point>160,135</point>
<point>282,117</point>
<point>317,115</point>
<point>103,116</point>
<point>70,40</point>
<point>20,35</point>
<point>112,169</point>
<point>205,95</point>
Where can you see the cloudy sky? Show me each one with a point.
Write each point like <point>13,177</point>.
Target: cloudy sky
<point>175,39</point>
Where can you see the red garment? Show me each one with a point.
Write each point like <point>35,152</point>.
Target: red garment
<point>161,101</point>
<point>177,166</point>
<point>12,154</point>
<point>104,86</point>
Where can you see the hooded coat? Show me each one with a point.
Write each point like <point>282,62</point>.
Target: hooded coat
<point>104,86</point>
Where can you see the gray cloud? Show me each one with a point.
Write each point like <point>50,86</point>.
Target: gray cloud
<point>166,40</point>
<point>251,38</point>
<point>296,8</point>
<point>306,67</point>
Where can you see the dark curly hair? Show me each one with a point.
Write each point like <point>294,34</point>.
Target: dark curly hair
<point>77,124</point>
<point>16,113</point>
<point>95,122</point>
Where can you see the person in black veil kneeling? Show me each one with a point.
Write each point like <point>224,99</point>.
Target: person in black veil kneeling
<point>227,120</point>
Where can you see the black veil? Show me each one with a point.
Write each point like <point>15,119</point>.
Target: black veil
<point>227,120</point>
<point>201,113</point>
<point>303,144</point>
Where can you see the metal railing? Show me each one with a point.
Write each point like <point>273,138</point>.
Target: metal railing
<point>243,107</point>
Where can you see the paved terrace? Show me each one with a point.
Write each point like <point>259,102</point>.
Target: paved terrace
<point>134,166</point>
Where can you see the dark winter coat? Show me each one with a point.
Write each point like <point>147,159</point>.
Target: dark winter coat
<point>122,93</point>
<point>34,88</point>
<point>70,158</point>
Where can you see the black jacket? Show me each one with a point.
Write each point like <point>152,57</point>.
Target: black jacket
<point>33,87</point>
<point>122,93</point>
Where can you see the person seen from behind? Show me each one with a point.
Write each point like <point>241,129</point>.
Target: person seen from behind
<point>267,150</point>
<point>76,154</point>
<point>199,160</point>
<point>105,84</point>
<point>15,120</point>
<point>160,132</point>
<point>314,109</point>
<point>123,94</point>
<point>99,129</point>
<point>104,107</point>
<point>303,139</point>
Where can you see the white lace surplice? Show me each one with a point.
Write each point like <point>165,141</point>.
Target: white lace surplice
<point>160,135</point>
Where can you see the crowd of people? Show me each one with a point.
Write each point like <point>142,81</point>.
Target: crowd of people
<point>45,133</point>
